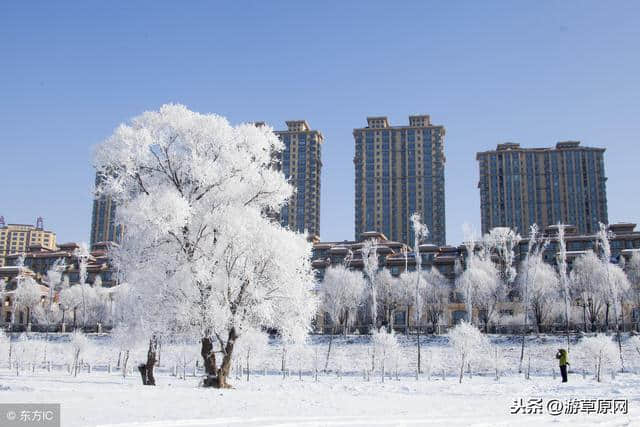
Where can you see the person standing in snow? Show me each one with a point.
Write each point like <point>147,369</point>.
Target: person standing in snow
<point>561,355</point>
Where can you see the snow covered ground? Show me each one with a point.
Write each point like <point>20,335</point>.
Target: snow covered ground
<point>102,398</point>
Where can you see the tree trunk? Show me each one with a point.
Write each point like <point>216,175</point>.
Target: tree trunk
<point>225,366</point>
<point>146,369</point>
<point>346,322</point>
<point>209,362</point>
<point>125,362</point>
<point>248,365</point>
<point>524,333</point>
<point>283,361</point>
<point>326,362</point>
<point>217,377</point>
<point>419,367</point>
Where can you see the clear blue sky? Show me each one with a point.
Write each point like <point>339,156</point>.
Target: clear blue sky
<point>528,72</point>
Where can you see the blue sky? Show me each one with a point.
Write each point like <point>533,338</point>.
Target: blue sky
<point>528,72</point>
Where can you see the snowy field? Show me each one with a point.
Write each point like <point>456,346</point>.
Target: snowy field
<point>96,397</point>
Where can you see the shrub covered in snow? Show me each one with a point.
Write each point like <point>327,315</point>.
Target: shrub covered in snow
<point>386,350</point>
<point>79,344</point>
<point>251,345</point>
<point>601,350</point>
<point>468,343</point>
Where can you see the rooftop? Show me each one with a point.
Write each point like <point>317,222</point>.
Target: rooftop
<point>415,121</point>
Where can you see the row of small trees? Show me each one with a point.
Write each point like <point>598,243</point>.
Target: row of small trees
<point>488,282</point>
<point>595,283</point>
<point>468,350</point>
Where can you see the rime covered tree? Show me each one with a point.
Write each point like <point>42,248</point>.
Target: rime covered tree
<point>502,242</point>
<point>200,252</point>
<point>27,296</point>
<point>420,233</point>
<point>588,283</point>
<point>601,350</point>
<point>528,278</point>
<point>468,343</point>
<point>391,294</point>
<point>561,260</point>
<point>369,252</point>
<point>435,296</point>
<point>342,292</point>
<point>617,284</point>
<point>480,283</point>
<point>543,293</point>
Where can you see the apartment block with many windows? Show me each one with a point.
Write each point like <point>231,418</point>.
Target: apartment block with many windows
<point>399,170</point>
<point>103,217</point>
<point>301,163</point>
<point>546,186</point>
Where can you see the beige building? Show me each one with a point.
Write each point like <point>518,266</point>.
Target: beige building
<point>399,170</point>
<point>300,161</point>
<point>545,186</point>
<point>17,238</point>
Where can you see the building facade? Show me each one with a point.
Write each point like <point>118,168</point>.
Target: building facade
<point>103,225</point>
<point>301,163</point>
<point>450,262</point>
<point>16,238</point>
<point>625,241</point>
<point>396,257</point>
<point>40,260</point>
<point>399,170</point>
<point>522,186</point>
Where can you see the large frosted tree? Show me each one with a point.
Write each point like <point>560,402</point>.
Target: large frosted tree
<point>200,253</point>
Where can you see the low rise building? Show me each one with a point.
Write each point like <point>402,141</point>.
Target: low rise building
<point>397,257</point>
<point>16,238</point>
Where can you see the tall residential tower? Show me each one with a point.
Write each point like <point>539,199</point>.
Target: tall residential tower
<point>399,171</point>
<point>522,186</point>
<point>103,226</point>
<point>301,164</point>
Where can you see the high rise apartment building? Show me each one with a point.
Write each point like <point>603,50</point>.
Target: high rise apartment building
<point>522,186</point>
<point>399,170</point>
<point>301,163</point>
<point>103,216</point>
